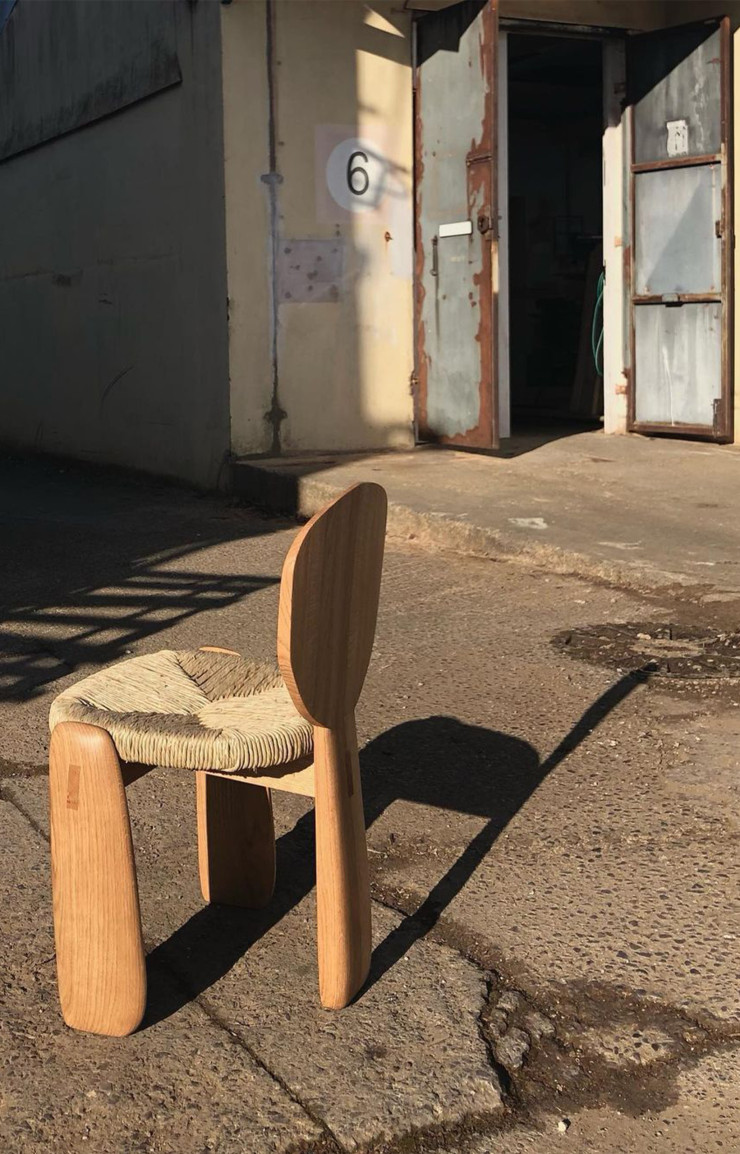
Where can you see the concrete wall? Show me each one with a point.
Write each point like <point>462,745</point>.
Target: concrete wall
<point>246,107</point>
<point>112,256</point>
<point>321,344</point>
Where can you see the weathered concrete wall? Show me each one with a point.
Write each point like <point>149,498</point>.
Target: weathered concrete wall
<point>112,258</point>
<point>248,246</point>
<point>322,350</point>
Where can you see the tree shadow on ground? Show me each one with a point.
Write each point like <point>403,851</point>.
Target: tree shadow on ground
<point>439,762</point>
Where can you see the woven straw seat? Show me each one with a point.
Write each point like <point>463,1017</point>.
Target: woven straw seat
<point>198,710</point>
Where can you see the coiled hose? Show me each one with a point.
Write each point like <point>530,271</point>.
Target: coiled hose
<point>597,324</point>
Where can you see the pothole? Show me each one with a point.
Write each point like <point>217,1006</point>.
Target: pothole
<point>668,650</point>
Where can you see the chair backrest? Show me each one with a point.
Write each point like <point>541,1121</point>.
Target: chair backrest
<point>329,604</point>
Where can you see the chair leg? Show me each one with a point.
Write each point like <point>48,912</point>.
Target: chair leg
<point>236,842</point>
<point>342,880</point>
<point>97,923</point>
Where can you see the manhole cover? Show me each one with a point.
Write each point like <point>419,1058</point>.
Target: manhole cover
<point>671,650</point>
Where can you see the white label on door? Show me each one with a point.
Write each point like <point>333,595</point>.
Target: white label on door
<point>678,137</point>
<point>456,228</point>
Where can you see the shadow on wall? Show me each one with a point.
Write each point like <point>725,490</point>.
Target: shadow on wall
<point>494,776</point>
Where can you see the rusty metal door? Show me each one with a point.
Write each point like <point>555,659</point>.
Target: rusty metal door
<point>681,282</point>
<point>456,225</point>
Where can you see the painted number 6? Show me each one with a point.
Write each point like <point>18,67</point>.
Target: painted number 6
<point>358,180</point>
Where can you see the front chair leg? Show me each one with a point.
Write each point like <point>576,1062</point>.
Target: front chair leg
<point>236,842</point>
<point>97,924</point>
<point>342,880</point>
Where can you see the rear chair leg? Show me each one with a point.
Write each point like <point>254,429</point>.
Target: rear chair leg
<point>236,842</point>
<point>97,923</point>
<point>342,881</point>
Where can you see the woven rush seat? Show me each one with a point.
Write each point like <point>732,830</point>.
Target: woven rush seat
<point>191,710</point>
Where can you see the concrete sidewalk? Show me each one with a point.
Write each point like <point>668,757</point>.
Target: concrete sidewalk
<point>640,512</point>
<point>553,849</point>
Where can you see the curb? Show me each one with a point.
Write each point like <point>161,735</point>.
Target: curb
<point>287,491</point>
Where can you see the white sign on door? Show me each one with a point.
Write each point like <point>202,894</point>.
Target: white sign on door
<point>678,137</point>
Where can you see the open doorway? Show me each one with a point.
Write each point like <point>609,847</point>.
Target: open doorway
<point>555,244</point>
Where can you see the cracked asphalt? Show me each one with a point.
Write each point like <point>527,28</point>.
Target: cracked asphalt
<point>553,848</point>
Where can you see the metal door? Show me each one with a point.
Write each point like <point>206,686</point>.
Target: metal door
<point>456,225</point>
<point>679,93</point>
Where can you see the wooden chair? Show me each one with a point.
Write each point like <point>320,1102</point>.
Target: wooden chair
<point>245,729</point>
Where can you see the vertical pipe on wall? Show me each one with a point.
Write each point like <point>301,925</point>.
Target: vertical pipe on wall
<point>275,414</point>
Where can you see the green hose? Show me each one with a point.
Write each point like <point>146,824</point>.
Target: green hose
<point>597,346</point>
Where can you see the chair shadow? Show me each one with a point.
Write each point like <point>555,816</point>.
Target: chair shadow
<point>437,761</point>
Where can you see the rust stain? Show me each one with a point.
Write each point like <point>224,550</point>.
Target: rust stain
<point>481,178</point>
<point>627,263</point>
<point>482,203</point>
<point>627,386</point>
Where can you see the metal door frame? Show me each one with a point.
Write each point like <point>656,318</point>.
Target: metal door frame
<point>722,428</point>
<point>488,424</point>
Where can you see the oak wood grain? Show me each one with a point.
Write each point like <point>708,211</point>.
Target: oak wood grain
<point>236,842</point>
<point>342,881</point>
<point>329,604</point>
<point>97,924</point>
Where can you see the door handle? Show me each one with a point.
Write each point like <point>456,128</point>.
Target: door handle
<point>435,259</point>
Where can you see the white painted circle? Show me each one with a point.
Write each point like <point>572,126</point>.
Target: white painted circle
<point>356,175</point>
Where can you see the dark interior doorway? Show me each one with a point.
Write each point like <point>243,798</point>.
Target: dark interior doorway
<point>555,231</point>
